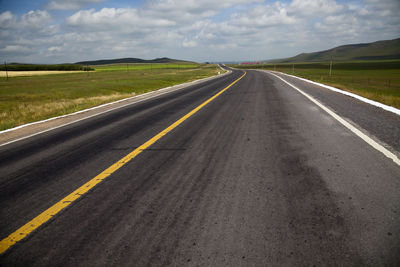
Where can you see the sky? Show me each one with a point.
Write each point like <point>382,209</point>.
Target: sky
<point>67,31</point>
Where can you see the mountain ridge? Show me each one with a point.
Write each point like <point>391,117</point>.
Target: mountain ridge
<point>130,60</point>
<point>379,50</point>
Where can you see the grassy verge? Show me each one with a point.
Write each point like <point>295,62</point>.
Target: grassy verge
<point>33,98</point>
<point>376,80</point>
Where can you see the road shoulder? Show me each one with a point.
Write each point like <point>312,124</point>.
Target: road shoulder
<point>381,125</point>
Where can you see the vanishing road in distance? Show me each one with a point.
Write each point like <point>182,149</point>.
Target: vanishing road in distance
<point>260,175</point>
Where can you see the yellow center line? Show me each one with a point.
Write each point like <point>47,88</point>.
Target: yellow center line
<point>36,222</point>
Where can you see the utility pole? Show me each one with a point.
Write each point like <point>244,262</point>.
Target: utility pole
<point>293,68</point>
<point>330,69</point>
<point>5,66</point>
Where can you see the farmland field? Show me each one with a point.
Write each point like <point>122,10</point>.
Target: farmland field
<point>35,72</point>
<point>33,98</point>
<point>376,80</point>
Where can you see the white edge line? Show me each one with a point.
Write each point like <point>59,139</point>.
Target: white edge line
<point>180,86</point>
<point>366,100</point>
<point>360,134</point>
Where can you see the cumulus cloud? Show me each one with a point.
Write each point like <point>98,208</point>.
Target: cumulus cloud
<point>111,19</point>
<point>204,30</point>
<point>70,4</point>
<point>358,23</point>
<point>33,20</point>
<point>16,50</point>
<point>26,34</point>
<point>189,43</point>
<point>264,16</point>
<point>7,19</point>
<point>314,7</point>
<point>203,8</point>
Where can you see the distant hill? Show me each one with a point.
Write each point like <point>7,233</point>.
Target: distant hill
<point>380,50</point>
<point>131,60</point>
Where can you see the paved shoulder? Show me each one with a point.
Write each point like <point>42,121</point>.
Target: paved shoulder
<point>381,124</point>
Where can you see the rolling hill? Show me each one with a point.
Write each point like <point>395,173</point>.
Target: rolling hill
<point>380,50</point>
<point>131,60</point>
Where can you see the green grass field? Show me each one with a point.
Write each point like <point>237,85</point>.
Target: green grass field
<point>33,98</point>
<point>376,80</point>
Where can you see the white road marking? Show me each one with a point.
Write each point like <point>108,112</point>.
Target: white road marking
<point>366,100</point>
<point>360,134</point>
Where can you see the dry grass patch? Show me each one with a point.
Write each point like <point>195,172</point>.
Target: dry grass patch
<point>23,112</point>
<point>37,72</point>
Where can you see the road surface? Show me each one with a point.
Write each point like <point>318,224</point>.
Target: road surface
<point>259,176</point>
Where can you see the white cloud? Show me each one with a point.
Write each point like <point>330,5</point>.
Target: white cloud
<point>55,49</point>
<point>188,43</point>
<point>363,12</point>
<point>26,34</point>
<point>38,19</point>
<point>69,4</point>
<point>377,19</point>
<point>264,16</point>
<point>115,19</point>
<point>202,8</point>
<point>15,48</point>
<point>6,19</point>
<point>204,30</point>
<point>35,18</point>
<point>314,7</point>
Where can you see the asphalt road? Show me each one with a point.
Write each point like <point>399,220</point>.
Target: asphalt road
<point>260,176</point>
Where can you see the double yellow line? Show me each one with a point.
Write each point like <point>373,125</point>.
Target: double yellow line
<point>36,222</point>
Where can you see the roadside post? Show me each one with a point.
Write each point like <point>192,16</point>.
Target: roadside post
<point>5,66</point>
